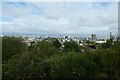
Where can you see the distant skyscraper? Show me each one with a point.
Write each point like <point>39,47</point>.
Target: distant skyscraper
<point>111,35</point>
<point>93,37</point>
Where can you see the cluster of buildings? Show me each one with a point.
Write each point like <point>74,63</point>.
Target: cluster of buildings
<point>92,40</point>
<point>80,41</point>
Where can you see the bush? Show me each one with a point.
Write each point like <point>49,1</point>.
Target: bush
<point>45,49</point>
<point>71,65</point>
<point>106,63</point>
<point>43,60</point>
<point>71,46</point>
<point>56,43</point>
<point>11,46</point>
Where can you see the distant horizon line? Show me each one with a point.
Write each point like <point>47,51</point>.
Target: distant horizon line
<point>49,33</point>
<point>54,34</point>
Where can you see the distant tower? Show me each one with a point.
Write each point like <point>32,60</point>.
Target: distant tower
<point>111,35</point>
<point>93,37</point>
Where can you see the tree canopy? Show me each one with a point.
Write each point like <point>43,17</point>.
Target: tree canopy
<point>44,60</point>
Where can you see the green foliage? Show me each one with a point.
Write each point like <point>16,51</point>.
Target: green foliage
<point>71,65</point>
<point>45,49</point>
<point>71,46</point>
<point>9,69</point>
<point>26,65</point>
<point>106,63</point>
<point>108,44</point>
<point>56,43</point>
<point>88,42</point>
<point>44,60</point>
<point>11,46</point>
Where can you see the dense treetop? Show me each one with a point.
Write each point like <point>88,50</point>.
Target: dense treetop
<point>45,60</point>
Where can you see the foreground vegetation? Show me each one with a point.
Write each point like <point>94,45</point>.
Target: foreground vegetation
<point>45,60</point>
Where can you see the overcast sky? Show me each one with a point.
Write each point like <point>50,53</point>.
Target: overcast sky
<point>60,18</point>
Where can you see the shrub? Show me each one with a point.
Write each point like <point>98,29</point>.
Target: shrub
<point>71,65</point>
<point>11,46</point>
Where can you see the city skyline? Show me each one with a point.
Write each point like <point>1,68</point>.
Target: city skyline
<point>99,18</point>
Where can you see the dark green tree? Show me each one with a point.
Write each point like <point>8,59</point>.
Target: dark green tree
<point>45,49</point>
<point>56,43</point>
<point>71,46</point>
<point>12,46</point>
<point>109,44</point>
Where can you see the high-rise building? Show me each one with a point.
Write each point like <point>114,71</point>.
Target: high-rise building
<point>111,35</point>
<point>93,37</point>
